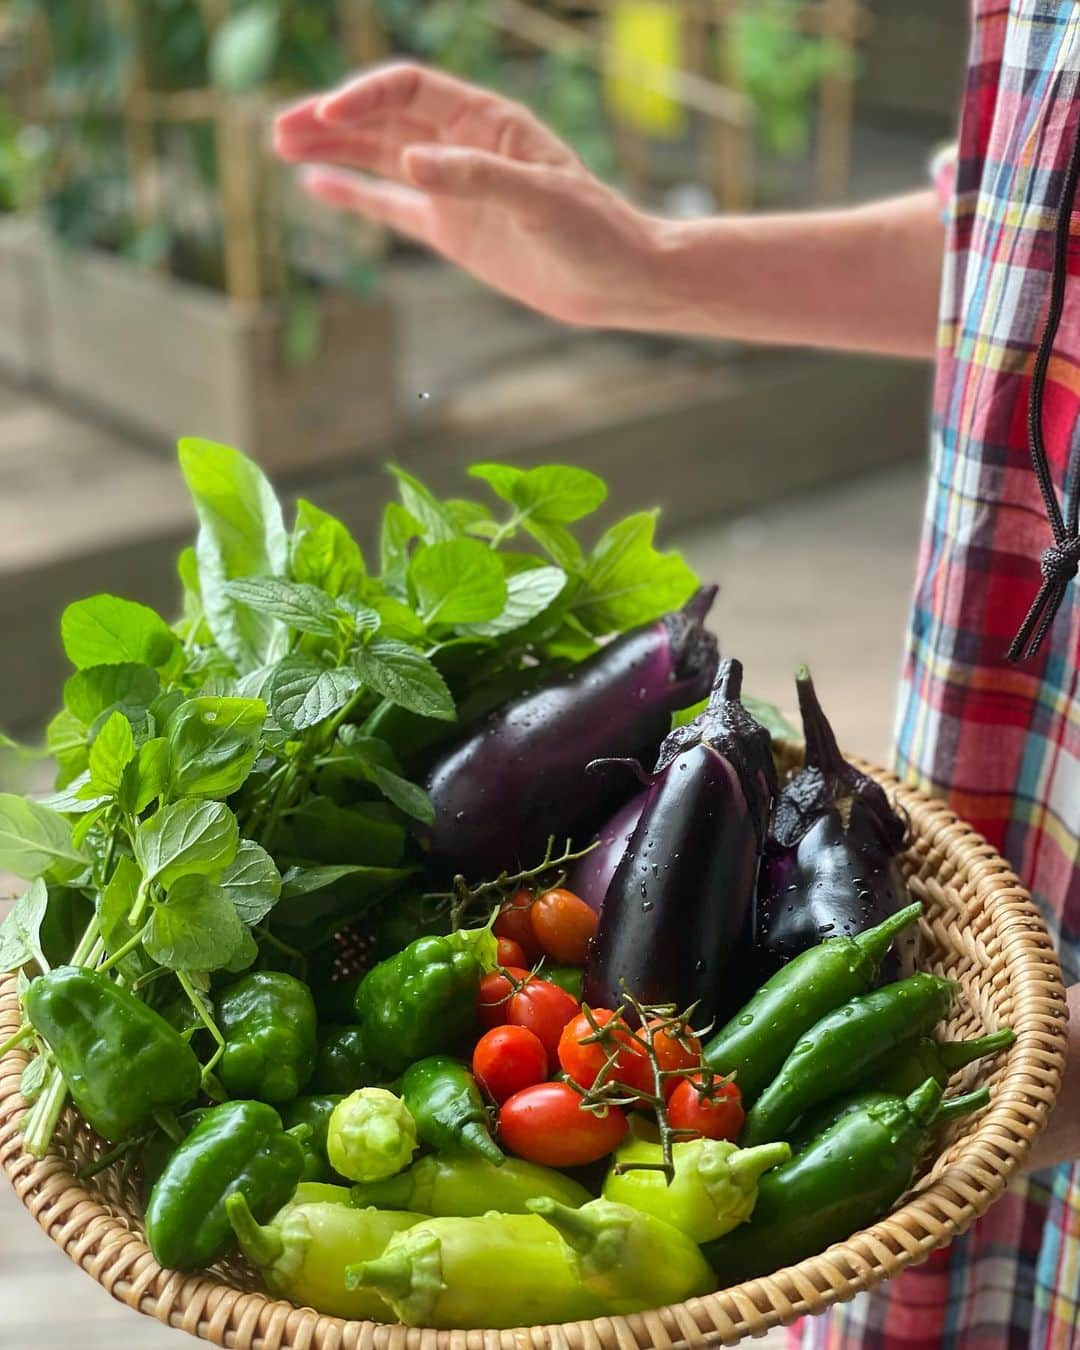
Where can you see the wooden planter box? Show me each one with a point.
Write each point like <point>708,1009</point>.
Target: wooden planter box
<point>164,358</point>
<point>22,316</point>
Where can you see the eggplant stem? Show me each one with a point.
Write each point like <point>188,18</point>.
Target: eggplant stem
<point>822,751</point>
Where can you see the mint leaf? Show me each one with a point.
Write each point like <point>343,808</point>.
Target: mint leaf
<point>300,881</point>
<point>405,677</point>
<point>112,751</point>
<point>35,841</point>
<point>299,606</point>
<point>435,521</point>
<point>528,594</point>
<point>322,831</point>
<point>406,796</point>
<point>471,517</point>
<point>770,717</point>
<point>20,940</point>
<point>252,882</point>
<point>146,777</point>
<point>65,740</point>
<point>116,902</point>
<point>396,536</point>
<point>189,836</point>
<point>32,1078</point>
<point>627,581</point>
<point>397,620</point>
<point>213,745</point>
<point>558,543</point>
<point>241,534</point>
<point>323,553</point>
<point>74,800</point>
<point>98,691</point>
<point>105,630</point>
<point>460,581</point>
<point>301,694</point>
<point>552,493</point>
<point>195,928</point>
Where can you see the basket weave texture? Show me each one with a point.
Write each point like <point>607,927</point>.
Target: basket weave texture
<point>979,927</point>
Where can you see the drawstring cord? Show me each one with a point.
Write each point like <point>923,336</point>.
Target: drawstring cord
<point>1061,561</point>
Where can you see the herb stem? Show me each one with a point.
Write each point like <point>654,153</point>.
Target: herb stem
<point>40,1122</point>
<point>137,909</point>
<point>23,1034</point>
<point>121,952</point>
<point>273,940</point>
<point>204,1016</point>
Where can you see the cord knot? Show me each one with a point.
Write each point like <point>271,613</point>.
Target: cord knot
<point>1061,562</point>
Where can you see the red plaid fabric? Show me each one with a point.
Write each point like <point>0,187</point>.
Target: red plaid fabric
<point>1001,743</point>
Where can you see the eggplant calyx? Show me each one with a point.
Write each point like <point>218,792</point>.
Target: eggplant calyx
<point>693,647</point>
<point>633,766</point>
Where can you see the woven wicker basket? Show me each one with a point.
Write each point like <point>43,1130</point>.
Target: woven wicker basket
<point>978,926</point>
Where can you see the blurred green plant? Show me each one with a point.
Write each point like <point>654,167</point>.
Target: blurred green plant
<point>24,152</point>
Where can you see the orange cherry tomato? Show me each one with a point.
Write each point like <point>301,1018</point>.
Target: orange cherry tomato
<point>508,1059</point>
<point>513,922</point>
<point>675,1049</point>
<point>510,953</point>
<point>582,1057</point>
<point>563,925</point>
<point>545,1124</point>
<point>717,1114</point>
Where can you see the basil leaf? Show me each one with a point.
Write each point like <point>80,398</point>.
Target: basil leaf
<point>106,631</point>
<point>552,493</point>
<point>374,761</point>
<point>20,933</point>
<point>112,751</point>
<point>301,694</point>
<point>297,605</point>
<point>322,831</point>
<point>65,740</point>
<point>241,534</point>
<point>71,801</point>
<point>244,953</point>
<point>323,553</point>
<point>405,677</point>
<point>558,543</point>
<point>116,901</point>
<point>435,521</point>
<point>471,517</point>
<point>214,743</point>
<point>396,536</point>
<point>32,1079</point>
<point>628,582</point>
<point>460,581</point>
<point>98,691</point>
<point>406,796</point>
<point>299,881</point>
<point>252,882</point>
<point>187,836</point>
<point>397,620</point>
<point>35,841</point>
<point>146,777</point>
<point>528,594</point>
<point>196,928</point>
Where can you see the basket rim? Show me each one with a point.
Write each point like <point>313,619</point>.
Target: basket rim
<point>104,1241</point>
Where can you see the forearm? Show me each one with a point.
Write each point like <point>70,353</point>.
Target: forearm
<point>863,278</point>
<point>1060,1141</point>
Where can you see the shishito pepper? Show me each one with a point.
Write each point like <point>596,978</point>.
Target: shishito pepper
<point>446,1105</point>
<point>268,1021</point>
<point>498,1270</point>
<point>303,1252</point>
<point>713,1190</point>
<point>757,1040</point>
<point>843,1180</point>
<point>159,1147</point>
<point>121,1061</point>
<point>238,1146</point>
<point>631,1260</point>
<point>466,1187</point>
<point>423,999</point>
<point>939,1060</point>
<point>371,1135</point>
<point>316,1112</point>
<point>825,1117</point>
<point>342,1065</point>
<point>840,1051</point>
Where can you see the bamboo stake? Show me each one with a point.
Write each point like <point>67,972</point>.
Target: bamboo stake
<point>730,148</point>
<point>836,100</point>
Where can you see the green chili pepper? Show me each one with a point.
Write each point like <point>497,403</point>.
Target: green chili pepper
<point>423,1000</point>
<point>342,1065</point>
<point>939,1060</point>
<point>633,1261</point>
<point>841,1182</point>
<point>159,1147</point>
<point>371,1135</point>
<point>570,978</point>
<point>498,1270</point>
<point>446,1105</point>
<point>239,1146</point>
<point>465,1187</point>
<point>316,1112</point>
<point>713,1189</point>
<point>121,1061</point>
<point>817,1122</point>
<point>847,1045</point>
<point>758,1039</point>
<point>268,1021</point>
<point>303,1252</point>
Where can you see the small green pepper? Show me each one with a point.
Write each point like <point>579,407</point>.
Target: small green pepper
<point>316,1112</point>
<point>825,1117</point>
<point>570,978</point>
<point>844,1048</point>
<point>633,1261</point>
<point>423,1000</point>
<point>446,1105</point>
<point>466,1186</point>
<point>268,1021</point>
<point>303,1252</point>
<point>159,1147</point>
<point>238,1146</point>
<point>342,1065</point>
<point>371,1135</point>
<point>939,1060</point>
<point>498,1270</point>
<point>713,1190</point>
<point>121,1061</point>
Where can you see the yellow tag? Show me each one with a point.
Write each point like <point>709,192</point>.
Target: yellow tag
<point>645,36</point>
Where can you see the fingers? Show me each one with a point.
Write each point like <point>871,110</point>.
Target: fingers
<point>451,171</point>
<point>401,208</point>
<point>429,95</point>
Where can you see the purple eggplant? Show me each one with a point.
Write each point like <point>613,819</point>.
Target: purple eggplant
<point>519,777</point>
<point>830,861</point>
<point>676,924</point>
<point>591,875</point>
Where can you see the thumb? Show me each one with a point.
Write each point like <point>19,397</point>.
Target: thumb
<point>475,173</point>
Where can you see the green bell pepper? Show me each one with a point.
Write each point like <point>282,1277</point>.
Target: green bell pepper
<point>446,1105</point>
<point>268,1020</point>
<point>371,1135</point>
<point>342,1065</point>
<point>159,1147</point>
<point>316,1112</point>
<point>468,1186</point>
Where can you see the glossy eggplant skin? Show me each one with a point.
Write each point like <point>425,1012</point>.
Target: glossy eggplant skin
<point>519,777</point>
<point>676,920</point>
<point>830,862</point>
<point>589,877</point>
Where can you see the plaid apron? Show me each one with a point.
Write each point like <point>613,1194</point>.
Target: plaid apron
<point>1000,742</point>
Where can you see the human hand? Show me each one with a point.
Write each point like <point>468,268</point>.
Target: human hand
<point>482,181</point>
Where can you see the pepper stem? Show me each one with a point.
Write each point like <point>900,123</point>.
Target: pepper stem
<point>747,1164</point>
<point>875,942</point>
<point>575,1227</point>
<point>390,1275</point>
<point>924,1102</point>
<point>822,751</point>
<point>261,1244</point>
<point>955,1054</point>
<point>476,1139</point>
<point>955,1107</point>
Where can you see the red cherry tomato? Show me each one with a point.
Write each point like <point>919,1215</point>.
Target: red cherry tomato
<point>493,999</point>
<point>513,922</point>
<point>675,1049</point>
<point>583,1058</point>
<point>544,1009</point>
<point>510,953</point>
<point>563,925</point>
<point>507,1059</point>
<point>717,1116</point>
<point>545,1124</point>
